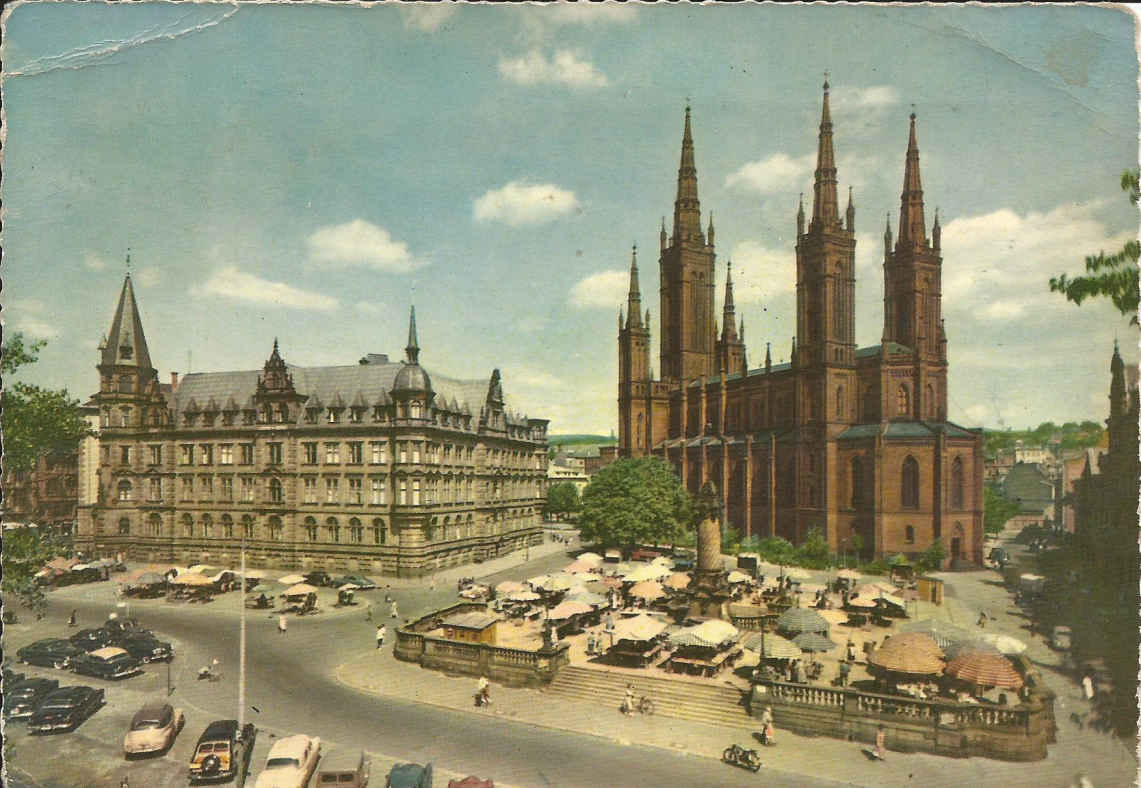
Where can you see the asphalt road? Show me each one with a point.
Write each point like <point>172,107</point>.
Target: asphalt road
<point>289,682</point>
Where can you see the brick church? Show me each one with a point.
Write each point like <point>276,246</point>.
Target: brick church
<point>853,441</point>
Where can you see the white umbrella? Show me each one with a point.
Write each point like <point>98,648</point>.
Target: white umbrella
<point>738,577</point>
<point>568,609</point>
<point>299,589</point>
<point>593,558</point>
<point>203,569</point>
<point>1004,643</point>
<point>538,580</point>
<point>509,587</point>
<point>523,596</point>
<point>559,582</point>
<point>641,627</point>
<point>290,580</point>
<point>348,587</point>
<point>661,560</point>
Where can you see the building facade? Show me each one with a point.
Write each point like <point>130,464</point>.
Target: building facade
<point>852,441</point>
<point>377,467</point>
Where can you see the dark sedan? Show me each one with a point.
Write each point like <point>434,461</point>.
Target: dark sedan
<point>107,663</point>
<point>49,653</point>
<point>65,709</point>
<point>144,646</point>
<point>91,639</point>
<point>360,581</point>
<point>23,698</point>
<point>123,626</point>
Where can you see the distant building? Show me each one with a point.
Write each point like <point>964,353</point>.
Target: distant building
<point>1032,455</point>
<point>1032,488</point>
<point>376,467</point>
<point>996,467</point>
<point>565,468</point>
<point>47,494</point>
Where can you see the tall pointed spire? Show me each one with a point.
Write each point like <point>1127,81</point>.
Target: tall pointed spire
<point>1118,402</point>
<point>887,238</point>
<point>634,298</point>
<point>825,208</point>
<point>126,345</point>
<point>729,312</point>
<point>850,214</point>
<point>687,209</point>
<point>936,233</point>
<point>800,216</point>
<point>912,227</point>
<point>413,348</point>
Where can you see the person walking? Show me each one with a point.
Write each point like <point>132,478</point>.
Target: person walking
<point>982,620</point>
<point>845,669</point>
<point>71,619</point>
<point>281,624</point>
<point>394,612</point>
<point>1087,686</point>
<point>628,701</point>
<point>368,612</point>
<point>483,692</point>
<point>381,631</point>
<point>881,747</point>
<point>851,651</point>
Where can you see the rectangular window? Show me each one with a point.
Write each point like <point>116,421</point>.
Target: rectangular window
<point>416,452</point>
<point>227,488</point>
<point>228,529</point>
<point>156,454</point>
<point>206,486</point>
<point>247,490</point>
<point>125,455</point>
<point>275,453</point>
<point>247,453</point>
<point>356,452</point>
<point>404,452</point>
<point>226,453</point>
<point>206,452</point>
<point>403,492</point>
<point>187,492</point>
<point>155,491</point>
<point>356,491</point>
<point>311,533</point>
<point>416,492</point>
<point>332,453</point>
<point>357,533</point>
<point>377,491</point>
<point>377,452</point>
<point>310,490</point>
<point>310,453</point>
<point>331,490</point>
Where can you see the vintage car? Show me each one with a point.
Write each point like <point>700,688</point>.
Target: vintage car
<point>21,699</point>
<point>111,662</point>
<point>409,775</point>
<point>318,578</point>
<point>65,709</point>
<point>360,581</point>
<point>222,752</point>
<point>153,729</point>
<point>92,639</point>
<point>11,677</point>
<point>122,626</point>
<point>145,647</point>
<point>49,653</point>
<point>343,769</point>
<point>290,763</point>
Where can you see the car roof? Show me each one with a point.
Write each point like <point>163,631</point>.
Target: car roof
<point>153,710</point>
<point>108,652</point>
<point>50,642</point>
<point>220,729</point>
<point>342,760</point>
<point>70,692</point>
<point>290,747</point>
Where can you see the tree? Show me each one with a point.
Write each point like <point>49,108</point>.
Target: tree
<point>932,558</point>
<point>26,550</point>
<point>1114,275</point>
<point>562,499</point>
<point>632,502</point>
<point>997,509</point>
<point>35,419</point>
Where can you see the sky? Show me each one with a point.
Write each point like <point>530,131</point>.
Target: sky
<point>308,172</point>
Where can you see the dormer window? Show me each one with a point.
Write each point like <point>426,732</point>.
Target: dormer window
<point>311,415</point>
<point>378,413</point>
<point>248,417</point>
<point>415,409</point>
<point>355,415</point>
<point>189,419</point>
<point>283,413</point>
<point>125,351</point>
<point>228,418</point>
<point>334,415</point>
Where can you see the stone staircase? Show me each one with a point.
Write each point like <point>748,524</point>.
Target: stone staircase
<point>716,704</point>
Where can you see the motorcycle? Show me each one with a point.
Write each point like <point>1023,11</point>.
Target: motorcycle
<point>642,705</point>
<point>736,755</point>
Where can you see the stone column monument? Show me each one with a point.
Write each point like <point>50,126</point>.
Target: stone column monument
<point>710,587</point>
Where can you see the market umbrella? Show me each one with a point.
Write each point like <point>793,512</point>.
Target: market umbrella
<point>772,646</point>
<point>1004,643</point>
<point>678,581</point>
<point>348,587</point>
<point>150,579</point>
<point>894,601</point>
<point>255,574</point>
<point>813,641</point>
<point>862,601</point>
<point>661,560</point>
<point>587,598</point>
<point>644,572</point>
<point>567,609</point>
<point>580,567</point>
<point>538,580</point>
<point>267,587</point>
<point>968,645</point>
<point>559,582</point>
<point>640,627</point>
<point>509,587</point>
<point>191,579</point>
<point>523,596</point>
<point>801,619</point>
<point>943,633</point>
<point>985,670</point>
<point>648,590</point>
<point>299,589</point>
<point>290,580</point>
<point>915,641</point>
<point>203,569</point>
<point>593,558</point>
<point>738,577</point>
<point>899,655</point>
<point>710,633</point>
<point>873,590</point>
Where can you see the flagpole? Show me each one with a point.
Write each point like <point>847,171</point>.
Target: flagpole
<point>242,641</point>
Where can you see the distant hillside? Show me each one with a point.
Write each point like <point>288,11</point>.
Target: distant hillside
<point>1070,435</point>
<point>580,441</point>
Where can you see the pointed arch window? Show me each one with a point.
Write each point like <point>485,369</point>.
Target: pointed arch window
<point>207,526</point>
<point>903,400</point>
<point>311,529</point>
<point>840,415</point>
<point>154,524</point>
<point>334,529</point>
<point>275,528</point>
<point>909,483</point>
<point>957,497</point>
<point>857,478</point>
<point>248,526</point>
<point>932,410</point>
<point>227,526</point>
<point>187,525</point>
<point>379,534</point>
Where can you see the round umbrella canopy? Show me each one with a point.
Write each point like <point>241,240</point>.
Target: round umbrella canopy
<point>848,574</point>
<point>523,596</point>
<point>915,641</point>
<point>968,645</point>
<point>150,579</point>
<point>985,670</point>
<point>713,632</point>
<point>191,579</point>
<point>567,609</point>
<point>1004,643</point>
<point>268,587</point>
<point>256,574</point>
<point>771,646</point>
<point>678,581</point>
<point>862,601</point>
<point>738,577</point>
<point>509,587</point>
<point>289,580</point>
<point>299,589</point>
<point>943,633</point>
<point>640,627</point>
<point>647,589</point>
<point>348,587</point>
<point>873,590</point>
<point>580,567</point>
<point>813,641</point>
<point>661,560</point>
<point>645,572</point>
<point>898,654</point>
<point>559,582</point>
<point>587,598</point>
<point>203,569</point>
<point>593,558</point>
<point>538,580</point>
<point>801,619</point>
<point>894,601</point>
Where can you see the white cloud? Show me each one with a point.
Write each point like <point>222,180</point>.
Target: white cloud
<point>603,289</point>
<point>565,67</point>
<point>368,307</point>
<point>229,282</point>
<point>361,243</point>
<point>523,376</point>
<point>776,173</point>
<point>148,277</point>
<point>872,97</point>
<point>94,262</point>
<point>520,203</point>
<point>760,274</point>
<point>587,13</point>
<point>428,17</point>
<point>29,318</point>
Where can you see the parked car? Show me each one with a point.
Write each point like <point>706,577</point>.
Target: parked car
<point>409,775</point>
<point>49,653</point>
<point>111,662</point>
<point>647,553</point>
<point>91,639</point>
<point>21,699</point>
<point>153,729</point>
<point>1062,638</point>
<point>290,763</point>
<point>145,647</point>
<point>122,626</point>
<point>343,769</point>
<point>11,677</point>
<point>65,709</point>
<point>222,752</point>
<point>318,578</point>
<point>360,581</point>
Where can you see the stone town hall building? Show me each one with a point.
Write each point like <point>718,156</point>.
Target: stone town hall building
<point>377,467</point>
<point>849,440</point>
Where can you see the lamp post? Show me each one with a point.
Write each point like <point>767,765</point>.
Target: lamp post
<point>242,640</point>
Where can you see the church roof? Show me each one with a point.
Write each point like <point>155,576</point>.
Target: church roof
<point>902,430</point>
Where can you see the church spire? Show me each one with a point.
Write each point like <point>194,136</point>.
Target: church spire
<point>413,348</point>
<point>126,345</point>
<point>1118,403</point>
<point>687,209</point>
<point>912,227</point>
<point>729,312</point>
<point>634,298</point>
<point>825,208</point>
<point>850,214</point>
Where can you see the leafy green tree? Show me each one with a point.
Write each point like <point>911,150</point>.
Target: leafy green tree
<point>562,499</point>
<point>26,550</point>
<point>1114,275</point>
<point>632,502</point>
<point>34,419</point>
<point>813,550</point>
<point>997,509</point>
<point>932,558</point>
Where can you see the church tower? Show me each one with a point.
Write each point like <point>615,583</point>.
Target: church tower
<point>688,331</point>
<point>633,369</point>
<point>913,294</point>
<point>129,395</point>
<point>731,343</point>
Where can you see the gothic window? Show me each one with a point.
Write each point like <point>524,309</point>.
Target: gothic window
<point>379,535</point>
<point>638,434</point>
<point>207,526</point>
<point>248,526</point>
<point>869,404</point>
<point>356,531</point>
<point>840,403</point>
<point>903,400</point>
<point>125,491</point>
<point>334,529</point>
<point>275,528</point>
<point>154,524</point>
<point>931,409</point>
<point>909,534</point>
<point>957,498</point>
<point>909,492</point>
<point>187,525</point>
<point>857,480</point>
<point>124,526</point>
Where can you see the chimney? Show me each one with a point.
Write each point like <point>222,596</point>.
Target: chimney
<point>174,381</point>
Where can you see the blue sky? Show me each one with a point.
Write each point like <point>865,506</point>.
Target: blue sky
<point>309,171</point>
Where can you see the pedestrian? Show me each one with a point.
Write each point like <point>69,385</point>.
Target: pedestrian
<point>881,737</point>
<point>1087,686</point>
<point>394,613</point>
<point>368,612</point>
<point>982,620</point>
<point>483,692</point>
<point>768,732</point>
<point>381,631</point>
<point>845,669</point>
<point>628,700</point>
<point>71,619</point>
<point>281,624</point>
<point>851,651</point>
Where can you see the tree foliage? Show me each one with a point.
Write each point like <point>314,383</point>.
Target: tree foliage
<point>562,499</point>
<point>997,509</point>
<point>1113,276</point>
<point>35,419</point>
<point>932,558</point>
<point>26,550</point>
<point>632,502</point>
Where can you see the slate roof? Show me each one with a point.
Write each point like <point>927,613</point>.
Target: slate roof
<point>477,621</point>
<point>906,429</point>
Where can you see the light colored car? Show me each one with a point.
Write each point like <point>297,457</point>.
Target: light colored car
<point>290,763</point>
<point>153,729</point>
